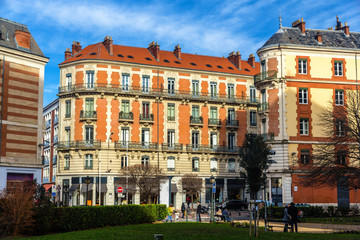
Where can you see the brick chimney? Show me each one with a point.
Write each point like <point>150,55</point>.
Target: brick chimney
<point>235,59</point>
<point>154,49</point>
<point>22,39</point>
<point>67,53</point>
<point>108,43</point>
<point>177,51</point>
<point>76,47</point>
<point>339,26</point>
<point>319,37</point>
<point>346,29</point>
<point>251,60</point>
<point>300,24</point>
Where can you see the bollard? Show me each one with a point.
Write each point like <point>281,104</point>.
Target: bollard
<point>158,237</point>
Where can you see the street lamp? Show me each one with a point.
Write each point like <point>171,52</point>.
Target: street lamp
<point>269,162</point>
<point>212,181</point>
<point>87,181</point>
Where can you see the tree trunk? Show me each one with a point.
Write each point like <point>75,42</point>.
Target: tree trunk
<point>250,210</point>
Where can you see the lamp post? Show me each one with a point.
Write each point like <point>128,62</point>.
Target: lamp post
<point>87,181</point>
<point>269,162</point>
<point>108,140</point>
<point>212,181</point>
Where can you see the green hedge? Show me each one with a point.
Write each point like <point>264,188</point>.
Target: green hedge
<point>65,219</point>
<point>278,212</point>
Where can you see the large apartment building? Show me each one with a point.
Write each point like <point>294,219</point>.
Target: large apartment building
<point>22,66</point>
<point>122,105</point>
<point>50,140</point>
<point>302,71</point>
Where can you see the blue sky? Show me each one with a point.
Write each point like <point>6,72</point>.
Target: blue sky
<point>206,27</point>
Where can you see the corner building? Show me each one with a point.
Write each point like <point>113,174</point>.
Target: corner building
<point>302,71</point>
<point>122,105</point>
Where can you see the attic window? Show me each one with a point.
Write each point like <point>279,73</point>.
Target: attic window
<point>219,66</point>
<point>149,59</point>
<point>92,53</point>
<point>194,64</point>
<point>247,70</point>
<point>230,68</point>
<point>129,56</point>
<point>208,65</point>
<point>119,55</point>
<point>79,55</point>
<point>177,62</point>
<point>165,60</point>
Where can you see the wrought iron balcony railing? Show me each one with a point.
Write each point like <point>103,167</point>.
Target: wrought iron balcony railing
<point>232,123</point>
<point>88,115</point>
<point>172,146</point>
<point>263,107</point>
<point>196,120</point>
<point>83,144</point>
<point>269,75</point>
<point>214,122</point>
<point>171,118</point>
<point>124,116</point>
<point>156,92</point>
<point>131,145</point>
<point>212,148</point>
<point>146,118</point>
<point>268,136</point>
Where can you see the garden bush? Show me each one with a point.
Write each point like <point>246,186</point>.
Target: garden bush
<point>67,219</point>
<point>278,212</point>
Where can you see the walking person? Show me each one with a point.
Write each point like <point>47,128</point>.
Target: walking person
<point>170,212</point>
<point>198,212</point>
<point>293,211</point>
<point>183,210</point>
<point>287,218</point>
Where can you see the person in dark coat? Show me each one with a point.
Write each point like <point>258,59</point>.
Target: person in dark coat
<point>293,212</point>
<point>287,218</point>
<point>198,212</point>
<point>183,210</point>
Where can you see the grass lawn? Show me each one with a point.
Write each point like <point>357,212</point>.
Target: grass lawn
<point>196,231</point>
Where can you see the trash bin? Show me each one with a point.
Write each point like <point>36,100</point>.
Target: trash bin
<point>158,237</point>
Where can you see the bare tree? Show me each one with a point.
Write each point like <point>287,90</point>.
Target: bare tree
<point>337,157</point>
<point>17,210</point>
<point>192,184</point>
<point>147,178</point>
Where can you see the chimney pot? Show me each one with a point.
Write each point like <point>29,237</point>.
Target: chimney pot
<point>177,51</point>
<point>319,37</point>
<point>235,59</point>
<point>76,47</point>
<point>154,49</point>
<point>108,44</point>
<point>300,24</point>
<point>251,60</point>
<point>67,53</point>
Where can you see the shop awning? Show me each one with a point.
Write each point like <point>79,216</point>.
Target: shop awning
<point>85,186</point>
<point>74,187</point>
<point>103,188</point>
<point>174,188</point>
<point>47,186</point>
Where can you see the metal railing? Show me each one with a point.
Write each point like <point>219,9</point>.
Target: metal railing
<point>211,148</point>
<point>172,146</point>
<point>157,92</point>
<point>126,116</point>
<point>263,107</point>
<point>214,122</point>
<point>268,136</point>
<point>171,118</point>
<point>232,123</point>
<point>147,117</point>
<point>196,120</point>
<point>269,75</point>
<point>84,144</point>
<point>136,145</point>
<point>85,115</point>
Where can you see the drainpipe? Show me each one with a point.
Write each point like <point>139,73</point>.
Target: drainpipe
<point>2,102</point>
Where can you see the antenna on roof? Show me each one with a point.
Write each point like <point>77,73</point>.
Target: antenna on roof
<point>280,19</point>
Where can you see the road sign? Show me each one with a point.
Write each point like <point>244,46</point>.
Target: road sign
<point>120,189</point>
<point>214,187</point>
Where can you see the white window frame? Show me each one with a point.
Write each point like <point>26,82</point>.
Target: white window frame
<point>195,164</point>
<point>171,163</point>
<point>213,165</point>
<point>338,68</point>
<point>89,79</point>
<point>145,160</point>
<point>339,97</point>
<point>253,119</point>
<point>302,65</point>
<point>304,126</point>
<point>125,82</point>
<point>303,96</point>
<point>88,161</point>
<point>231,165</point>
<point>145,84</point>
<point>67,162</point>
<point>124,161</point>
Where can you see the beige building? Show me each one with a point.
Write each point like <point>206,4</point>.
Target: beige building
<point>121,105</point>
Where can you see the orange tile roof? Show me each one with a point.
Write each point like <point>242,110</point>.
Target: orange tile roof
<point>167,59</point>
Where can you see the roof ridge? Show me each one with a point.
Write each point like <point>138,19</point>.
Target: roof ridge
<point>12,22</point>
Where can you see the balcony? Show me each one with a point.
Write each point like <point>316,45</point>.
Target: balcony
<point>230,123</point>
<point>88,144</point>
<point>54,160</point>
<point>212,148</point>
<point>265,76</point>
<point>146,118</point>
<point>127,90</point>
<point>172,146</point>
<point>196,121</point>
<point>88,115</point>
<point>268,136</point>
<point>126,117</point>
<point>65,145</point>
<point>136,145</point>
<point>213,170</point>
<point>213,122</point>
<point>263,107</point>
<point>171,118</point>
